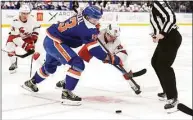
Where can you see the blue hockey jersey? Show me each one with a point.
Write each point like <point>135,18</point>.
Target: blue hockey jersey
<point>76,31</point>
<point>73,32</point>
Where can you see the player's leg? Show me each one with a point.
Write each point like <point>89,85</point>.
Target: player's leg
<point>73,74</point>
<point>168,52</point>
<point>49,67</point>
<point>65,54</point>
<point>161,95</point>
<point>10,47</point>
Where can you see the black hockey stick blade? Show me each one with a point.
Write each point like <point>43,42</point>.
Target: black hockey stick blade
<point>185,109</point>
<point>22,56</point>
<point>139,73</point>
<point>26,54</point>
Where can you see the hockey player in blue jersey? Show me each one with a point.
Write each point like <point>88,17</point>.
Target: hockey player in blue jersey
<point>61,38</point>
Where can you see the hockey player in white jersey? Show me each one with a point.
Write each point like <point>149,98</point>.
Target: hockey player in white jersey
<point>24,33</point>
<point>110,38</point>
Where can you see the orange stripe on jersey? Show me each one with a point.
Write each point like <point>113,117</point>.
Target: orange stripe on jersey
<point>53,38</point>
<point>42,73</point>
<point>74,72</point>
<point>91,43</point>
<point>62,51</point>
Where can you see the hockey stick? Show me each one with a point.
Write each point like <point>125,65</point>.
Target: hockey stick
<point>185,109</point>
<point>22,56</point>
<point>135,86</point>
<point>31,66</point>
<point>139,73</point>
<point>135,74</point>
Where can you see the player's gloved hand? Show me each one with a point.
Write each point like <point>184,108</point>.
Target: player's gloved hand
<point>10,54</point>
<point>27,46</point>
<point>32,39</point>
<point>128,75</point>
<point>36,55</point>
<point>113,59</point>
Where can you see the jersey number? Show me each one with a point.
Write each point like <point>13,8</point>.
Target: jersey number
<point>64,26</point>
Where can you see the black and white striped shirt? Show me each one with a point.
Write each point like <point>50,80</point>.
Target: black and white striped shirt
<point>162,17</point>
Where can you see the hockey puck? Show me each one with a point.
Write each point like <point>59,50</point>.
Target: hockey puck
<point>118,111</point>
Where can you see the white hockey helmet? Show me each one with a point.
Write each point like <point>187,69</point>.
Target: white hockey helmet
<point>113,29</point>
<point>24,9</point>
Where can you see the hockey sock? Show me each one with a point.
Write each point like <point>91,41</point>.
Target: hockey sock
<point>72,79</point>
<point>40,75</point>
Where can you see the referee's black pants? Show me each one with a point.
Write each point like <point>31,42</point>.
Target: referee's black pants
<point>163,59</point>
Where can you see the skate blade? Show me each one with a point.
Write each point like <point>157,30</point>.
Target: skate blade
<point>162,99</point>
<point>172,110</point>
<point>12,71</point>
<point>58,88</point>
<point>27,88</point>
<point>71,103</point>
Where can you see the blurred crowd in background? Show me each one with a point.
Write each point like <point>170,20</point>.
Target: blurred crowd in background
<point>113,6</point>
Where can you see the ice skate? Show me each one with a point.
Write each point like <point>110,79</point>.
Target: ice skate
<point>30,86</point>
<point>60,84</point>
<point>12,68</point>
<point>162,96</point>
<point>171,105</point>
<point>69,98</point>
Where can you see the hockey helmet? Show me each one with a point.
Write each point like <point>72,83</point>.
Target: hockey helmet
<point>24,9</point>
<point>93,12</point>
<point>113,30</point>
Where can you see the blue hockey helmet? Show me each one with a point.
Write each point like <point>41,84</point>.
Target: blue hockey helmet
<point>93,12</point>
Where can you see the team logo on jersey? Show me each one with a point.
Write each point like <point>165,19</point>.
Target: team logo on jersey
<point>21,30</point>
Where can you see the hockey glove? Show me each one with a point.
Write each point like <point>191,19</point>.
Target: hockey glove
<point>27,46</point>
<point>113,59</point>
<point>128,76</point>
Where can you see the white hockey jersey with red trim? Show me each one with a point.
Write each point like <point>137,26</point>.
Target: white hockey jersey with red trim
<point>22,29</point>
<point>114,47</point>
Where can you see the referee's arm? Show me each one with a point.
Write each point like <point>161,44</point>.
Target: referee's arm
<point>167,13</point>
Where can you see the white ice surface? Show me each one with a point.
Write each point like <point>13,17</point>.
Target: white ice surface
<point>101,86</point>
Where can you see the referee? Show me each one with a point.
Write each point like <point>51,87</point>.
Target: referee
<point>163,21</point>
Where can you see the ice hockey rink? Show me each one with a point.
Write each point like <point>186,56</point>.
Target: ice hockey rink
<point>101,86</point>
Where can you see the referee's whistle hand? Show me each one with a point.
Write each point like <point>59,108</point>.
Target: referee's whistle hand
<point>159,36</point>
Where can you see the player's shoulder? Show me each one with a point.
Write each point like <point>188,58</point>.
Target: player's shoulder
<point>88,24</point>
<point>102,33</point>
<point>117,41</point>
<point>16,18</point>
<point>16,21</point>
<point>33,21</point>
<point>32,18</point>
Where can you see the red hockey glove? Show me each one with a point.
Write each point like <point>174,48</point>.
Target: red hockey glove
<point>36,55</point>
<point>31,39</point>
<point>10,54</point>
<point>113,59</point>
<point>27,46</point>
<point>128,76</point>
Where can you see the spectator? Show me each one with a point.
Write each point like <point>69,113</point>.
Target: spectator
<point>113,6</point>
